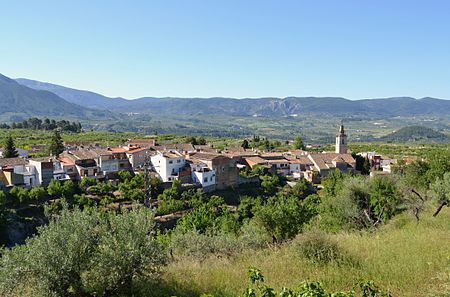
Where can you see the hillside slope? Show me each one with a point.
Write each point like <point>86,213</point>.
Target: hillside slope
<point>80,97</point>
<point>416,133</point>
<point>18,102</point>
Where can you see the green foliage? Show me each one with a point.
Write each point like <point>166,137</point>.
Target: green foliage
<point>247,207</point>
<point>284,217</point>
<point>46,124</point>
<point>2,198</point>
<point>301,189</point>
<point>131,188</point>
<point>333,182</point>
<point>257,288</point>
<point>416,176</point>
<point>90,254</point>
<point>298,143</point>
<point>318,247</point>
<point>384,197</point>
<point>84,200</point>
<point>361,202</point>
<point>10,150</point>
<point>55,188</point>
<point>87,182</point>
<point>68,188</point>
<point>441,191</point>
<point>56,146</point>
<point>208,217</point>
<point>169,201</point>
<point>245,144</point>
<point>270,184</point>
<point>19,194</point>
<point>169,206</point>
<point>37,193</point>
<point>124,176</point>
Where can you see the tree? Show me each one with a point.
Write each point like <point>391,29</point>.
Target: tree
<point>298,143</point>
<point>201,141</point>
<point>10,148</point>
<point>441,192</point>
<point>56,144</point>
<point>269,184</point>
<point>282,217</point>
<point>55,188</point>
<point>68,188</point>
<point>365,167</point>
<point>333,182</point>
<point>245,144</point>
<point>84,253</point>
<point>37,193</point>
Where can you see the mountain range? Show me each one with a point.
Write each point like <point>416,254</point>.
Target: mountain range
<point>264,107</point>
<point>19,101</point>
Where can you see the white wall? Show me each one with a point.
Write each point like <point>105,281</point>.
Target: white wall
<point>205,178</point>
<point>166,167</point>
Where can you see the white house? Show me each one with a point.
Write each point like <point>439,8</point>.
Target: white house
<point>203,175</point>
<point>168,165</point>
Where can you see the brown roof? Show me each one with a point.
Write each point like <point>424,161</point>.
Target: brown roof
<point>325,160</point>
<point>66,160</point>
<point>85,154</point>
<point>43,159</point>
<point>179,146</point>
<point>141,142</point>
<point>205,156</point>
<point>252,161</point>
<point>12,161</point>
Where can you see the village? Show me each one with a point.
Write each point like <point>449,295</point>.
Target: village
<point>198,165</point>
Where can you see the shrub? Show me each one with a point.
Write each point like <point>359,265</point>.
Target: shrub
<point>169,206</point>
<point>320,248</point>
<point>82,252</point>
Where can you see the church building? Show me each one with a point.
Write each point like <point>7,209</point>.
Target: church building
<point>341,141</point>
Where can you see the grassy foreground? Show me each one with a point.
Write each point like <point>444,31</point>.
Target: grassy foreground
<point>406,257</point>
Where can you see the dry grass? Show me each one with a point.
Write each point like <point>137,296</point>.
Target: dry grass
<point>408,258</point>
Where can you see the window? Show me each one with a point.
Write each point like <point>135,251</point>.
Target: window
<point>211,178</point>
<point>205,179</point>
<point>178,161</point>
<point>170,162</point>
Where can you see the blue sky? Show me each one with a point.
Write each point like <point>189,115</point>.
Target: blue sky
<point>244,48</point>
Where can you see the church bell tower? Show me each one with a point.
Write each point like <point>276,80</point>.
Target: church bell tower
<point>341,141</point>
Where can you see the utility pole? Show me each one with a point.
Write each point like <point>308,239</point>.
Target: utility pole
<point>147,181</point>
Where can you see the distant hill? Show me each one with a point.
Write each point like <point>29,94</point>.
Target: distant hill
<point>80,97</point>
<point>416,133</point>
<point>18,102</point>
<point>265,107</point>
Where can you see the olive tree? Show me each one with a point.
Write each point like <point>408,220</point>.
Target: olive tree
<point>83,253</point>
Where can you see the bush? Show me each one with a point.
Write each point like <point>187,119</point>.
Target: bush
<point>195,245</point>
<point>169,206</point>
<point>83,252</point>
<point>320,248</point>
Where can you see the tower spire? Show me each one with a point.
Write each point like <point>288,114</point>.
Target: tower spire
<point>341,140</point>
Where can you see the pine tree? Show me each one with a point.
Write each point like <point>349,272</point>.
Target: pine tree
<point>366,166</point>
<point>10,148</point>
<point>56,145</point>
<point>245,144</point>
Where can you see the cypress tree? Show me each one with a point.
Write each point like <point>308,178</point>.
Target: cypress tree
<point>56,145</point>
<point>10,148</point>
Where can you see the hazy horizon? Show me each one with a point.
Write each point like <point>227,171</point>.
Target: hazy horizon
<point>236,49</point>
